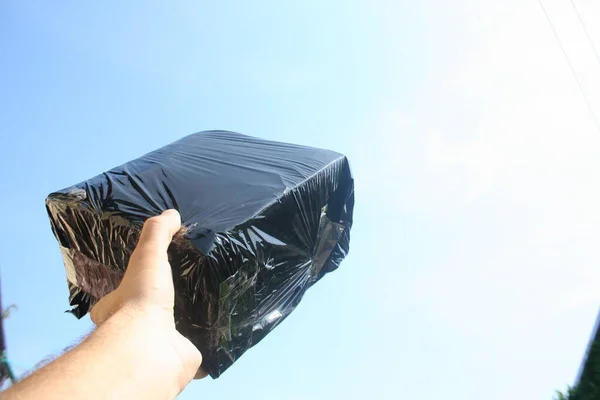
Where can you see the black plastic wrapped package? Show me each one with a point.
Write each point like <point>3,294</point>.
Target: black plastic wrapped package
<point>262,222</point>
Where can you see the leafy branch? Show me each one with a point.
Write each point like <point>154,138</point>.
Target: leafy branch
<point>6,312</point>
<point>588,387</point>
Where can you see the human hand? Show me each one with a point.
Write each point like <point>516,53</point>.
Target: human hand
<point>136,352</point>
<point>145,298</point>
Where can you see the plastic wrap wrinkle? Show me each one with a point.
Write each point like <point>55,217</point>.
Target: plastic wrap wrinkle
<point>263,222</point>
<point>69,267</point>
<point>92,277</point>
<point>327,239</point>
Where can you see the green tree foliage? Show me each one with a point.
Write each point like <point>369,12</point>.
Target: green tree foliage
<point>564,396</point>
<point>588,387</point>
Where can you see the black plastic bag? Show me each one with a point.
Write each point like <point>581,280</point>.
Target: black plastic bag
<point>263,222</point>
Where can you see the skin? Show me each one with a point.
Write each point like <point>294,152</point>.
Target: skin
<point>135,352</point>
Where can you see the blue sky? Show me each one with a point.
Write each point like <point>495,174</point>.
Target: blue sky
<point>473,266</point>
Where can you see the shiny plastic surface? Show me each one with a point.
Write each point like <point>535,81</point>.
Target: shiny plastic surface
<point>263,221</point>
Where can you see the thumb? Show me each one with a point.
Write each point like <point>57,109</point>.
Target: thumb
<point>156,236</point>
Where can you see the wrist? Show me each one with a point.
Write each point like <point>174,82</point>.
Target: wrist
<point>148,344</point>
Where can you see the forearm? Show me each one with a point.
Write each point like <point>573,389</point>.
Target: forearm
<point>120,359</point>
<point>136,352</point>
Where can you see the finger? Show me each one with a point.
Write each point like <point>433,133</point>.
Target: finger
<point>201,373</point>
<point>100,311</point>
<point>157,234</point>
<point>190,356</point>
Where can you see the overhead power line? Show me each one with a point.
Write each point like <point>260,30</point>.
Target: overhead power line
<point>585,98</point>
<point>587,33</point>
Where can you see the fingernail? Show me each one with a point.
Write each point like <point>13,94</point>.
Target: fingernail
<point>171,212</point>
